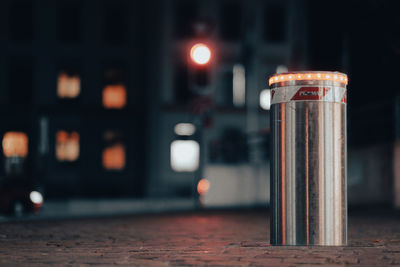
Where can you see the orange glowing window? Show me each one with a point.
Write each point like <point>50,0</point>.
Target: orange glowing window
<point>203,186</point>
<point>114,157</point>
<point>68,86</point>
<point>114,96</point>
<point>67,146</point>
<point>15,144</point>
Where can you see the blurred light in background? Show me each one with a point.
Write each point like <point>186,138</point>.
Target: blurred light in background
<point>67,146</point>
<point>281,69</point>
<point>68,86</point>
<point>239,85</point>
<point>114,96</point>
<point>203,186</point>
<point>185,155</point>
<point>36,198</point>
<point>184,129</point>
<point>200,54</point>
<point>114,157</point>
<point>15,144</point>
<point>265,99</point>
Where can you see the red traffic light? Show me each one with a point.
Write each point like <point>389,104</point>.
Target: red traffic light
<point>200,54</point>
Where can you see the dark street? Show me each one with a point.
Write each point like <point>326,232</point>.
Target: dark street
<point>215,238</point>
<point>199,133</point>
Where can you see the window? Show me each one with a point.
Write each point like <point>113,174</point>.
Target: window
<point>113,157</point>
<point>67,146</point>
<point>68,84</point>
<point>231,21</point>
<point>184,129</point>
<point>114,91</point>
<point>114,96</point>
<point>275,23</point>
<point>15,144</point>
<point>116,22</point>
<point>21,20</point>
<point>69,22</point>
<point>20,81</point>
<point>185,155</point>
<point>185,15</point>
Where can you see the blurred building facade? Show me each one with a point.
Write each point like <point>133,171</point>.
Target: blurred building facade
<point>72,75</point>
<point>102,89</point>
<point>248,40</point>
<point>98,87</point>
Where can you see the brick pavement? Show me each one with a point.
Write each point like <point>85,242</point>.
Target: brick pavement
<point>217,238</point>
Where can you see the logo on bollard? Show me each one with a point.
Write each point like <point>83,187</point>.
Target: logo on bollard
<point>311,93</point>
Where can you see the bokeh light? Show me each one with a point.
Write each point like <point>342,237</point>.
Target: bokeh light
<point>200,54</point>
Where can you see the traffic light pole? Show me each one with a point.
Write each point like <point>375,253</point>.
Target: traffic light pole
<point>198,174</point>
<point>202,85</point>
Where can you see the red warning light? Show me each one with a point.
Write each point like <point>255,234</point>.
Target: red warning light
<point>200,54</point>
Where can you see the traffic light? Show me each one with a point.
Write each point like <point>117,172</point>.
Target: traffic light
<point>200,54</point>
<point>201,80</point>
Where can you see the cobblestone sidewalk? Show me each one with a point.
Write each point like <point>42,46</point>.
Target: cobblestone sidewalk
<point>204,238</point>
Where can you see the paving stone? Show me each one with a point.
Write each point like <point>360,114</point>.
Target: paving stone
<point>223,238</point>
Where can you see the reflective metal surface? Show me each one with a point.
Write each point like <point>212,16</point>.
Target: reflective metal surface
<point>309,173</point>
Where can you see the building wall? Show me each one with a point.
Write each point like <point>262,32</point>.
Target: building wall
<point>40,38</point>
<point>254,49</point>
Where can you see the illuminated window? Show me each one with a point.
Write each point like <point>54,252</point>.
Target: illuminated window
<point>67,146</point>
<point>68,86</point>
<point>185,155</point>
<point>114,154</point>
<point>265,99</point>
<point>114,157</point>
<point>114,96</point>
<point>184,129</point>
<point>15,144</point>
<point>114,89</point>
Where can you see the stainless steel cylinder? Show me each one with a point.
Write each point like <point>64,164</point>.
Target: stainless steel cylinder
<point>309,159</point>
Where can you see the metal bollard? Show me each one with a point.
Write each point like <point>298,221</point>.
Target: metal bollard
<point>309,159</point>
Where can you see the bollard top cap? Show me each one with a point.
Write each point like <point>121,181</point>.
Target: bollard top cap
<point>333,76</point>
